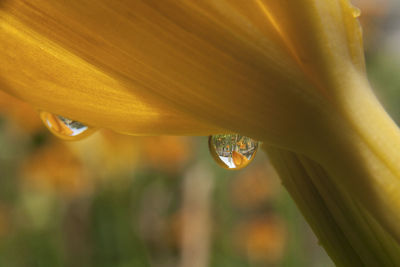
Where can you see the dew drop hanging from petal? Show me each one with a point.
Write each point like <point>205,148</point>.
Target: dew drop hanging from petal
<point>355,11</point>
<point>232,151</point>
<point>65,128</point>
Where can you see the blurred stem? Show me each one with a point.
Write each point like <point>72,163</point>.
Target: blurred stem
<point>197,188</point>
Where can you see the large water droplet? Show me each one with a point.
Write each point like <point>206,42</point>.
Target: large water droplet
<point>232,151</point>
<point>65,128</point>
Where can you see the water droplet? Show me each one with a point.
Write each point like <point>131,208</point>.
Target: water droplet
<point>356,12</point>
<point>232,151</point>
<point>65,128</point>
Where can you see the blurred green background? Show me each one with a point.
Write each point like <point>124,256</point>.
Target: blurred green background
<point>114,200</point>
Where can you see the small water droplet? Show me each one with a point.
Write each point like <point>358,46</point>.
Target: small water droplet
<point>65,128</point>
<point>356,12</point>
<point>232,151</point>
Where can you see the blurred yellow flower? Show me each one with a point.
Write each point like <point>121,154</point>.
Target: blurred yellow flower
<point>108,154</point>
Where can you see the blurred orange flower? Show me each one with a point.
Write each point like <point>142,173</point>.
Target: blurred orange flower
<point>167,153</point>
<point>262,239</point>
<point>54,167</point>
<point>254,187</point>
<point>21,112</point>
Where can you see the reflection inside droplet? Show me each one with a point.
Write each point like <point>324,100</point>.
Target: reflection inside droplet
<point>75,127</point>
<point>232,151</point>
<point>65,128</point>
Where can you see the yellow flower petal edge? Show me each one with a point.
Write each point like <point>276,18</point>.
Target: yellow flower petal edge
<point>289,73</point>
<point>344,227</point>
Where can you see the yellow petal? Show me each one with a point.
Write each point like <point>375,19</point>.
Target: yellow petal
<point>156,67</point>
<point>53,79</point>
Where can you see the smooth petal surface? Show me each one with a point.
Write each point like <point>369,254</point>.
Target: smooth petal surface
<point>51,78</point>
